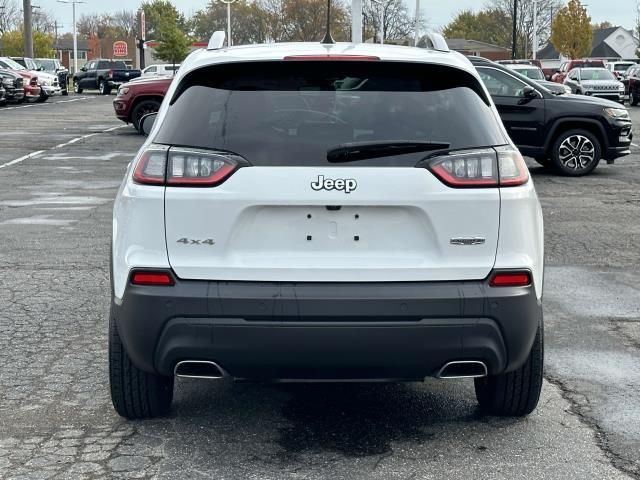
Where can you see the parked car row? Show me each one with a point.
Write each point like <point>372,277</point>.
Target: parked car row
<point>27,79</point>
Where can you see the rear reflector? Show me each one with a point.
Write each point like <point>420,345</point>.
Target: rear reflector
<point>510,279</point>
<point>332,57</point>
<point>152,278</point>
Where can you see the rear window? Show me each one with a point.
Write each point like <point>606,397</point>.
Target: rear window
<point>103,65</point>
<point>622,67</point>
<point>291,112</point>
<point>532,73</point>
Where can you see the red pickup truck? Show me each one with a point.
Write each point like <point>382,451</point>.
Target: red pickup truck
<point>140,97</point>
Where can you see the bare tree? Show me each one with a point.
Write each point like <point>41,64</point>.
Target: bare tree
<point>524,24</point>
<point>125,22</point>
<point>43,21</point>
<point>9,15</point>
<point>398,22</point>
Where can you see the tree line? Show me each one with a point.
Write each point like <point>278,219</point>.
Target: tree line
<point>567,27</point>
<point>252,21</point>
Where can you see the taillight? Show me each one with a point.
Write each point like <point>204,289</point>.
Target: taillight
<point>510,279</point>
<point>152,278</point>
<point>110,74</point>
<point>198,169</point>
<point>182,167</point>
<point>151,166</point>
<point>512,168</point>
<point>469,169</point>
<point>503,167</point>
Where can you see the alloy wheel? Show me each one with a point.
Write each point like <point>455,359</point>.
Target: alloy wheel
<point>576,152</point>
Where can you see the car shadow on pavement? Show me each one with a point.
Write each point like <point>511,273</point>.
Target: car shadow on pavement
<point>354,420</point>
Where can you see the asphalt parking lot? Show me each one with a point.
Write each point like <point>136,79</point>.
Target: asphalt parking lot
<point>60,166</point>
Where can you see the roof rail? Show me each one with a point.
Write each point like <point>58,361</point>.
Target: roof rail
<point>435,41</point>
<point>216,41</point>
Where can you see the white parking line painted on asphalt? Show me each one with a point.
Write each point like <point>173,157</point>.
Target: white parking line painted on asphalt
<point>31,105</point>
<point>61,145</point>
<point>21,159</point>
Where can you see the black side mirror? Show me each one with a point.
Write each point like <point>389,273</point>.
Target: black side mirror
<point>83,69</point>
<point>147,122</point>
<point>529,92</point>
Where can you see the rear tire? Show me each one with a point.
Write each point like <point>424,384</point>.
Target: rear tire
<point>514,394</point>
<point>104,88</point>
<point>76,87</point>
<point>42,98</point>
<point>135,394</point>
<point>633,100</point>
<point>576,153</point>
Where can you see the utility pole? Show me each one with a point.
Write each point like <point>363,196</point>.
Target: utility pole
<point>57,25</point>
<point>515,30</point>
<point>28,29</point>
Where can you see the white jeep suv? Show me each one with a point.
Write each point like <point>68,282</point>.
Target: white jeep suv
<point>315,212</point>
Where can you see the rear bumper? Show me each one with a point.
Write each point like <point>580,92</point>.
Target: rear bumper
<point>328,330</point>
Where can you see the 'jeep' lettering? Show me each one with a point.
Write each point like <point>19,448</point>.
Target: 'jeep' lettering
<point>347,185</point>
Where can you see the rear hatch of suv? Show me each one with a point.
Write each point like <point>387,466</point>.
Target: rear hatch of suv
<point>330,171</point>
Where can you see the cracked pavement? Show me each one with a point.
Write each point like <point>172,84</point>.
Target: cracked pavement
<point>56,419</point>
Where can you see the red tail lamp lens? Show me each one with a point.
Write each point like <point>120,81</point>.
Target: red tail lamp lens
<point>162,279</point>
<point>510,279</point>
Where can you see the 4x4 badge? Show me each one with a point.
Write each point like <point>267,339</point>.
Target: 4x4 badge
<point>347,185</point>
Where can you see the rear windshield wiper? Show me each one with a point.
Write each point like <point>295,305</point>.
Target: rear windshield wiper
<point>353,151</point>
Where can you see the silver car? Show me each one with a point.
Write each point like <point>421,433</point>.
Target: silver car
<point>597,82</point>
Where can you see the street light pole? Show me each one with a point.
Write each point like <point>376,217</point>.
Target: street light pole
<point>228,2</point>
<point>535,28</point>
<point>356,21</point>
<point>381,3</point>
<point>416,33</point>
<point>75,32</point>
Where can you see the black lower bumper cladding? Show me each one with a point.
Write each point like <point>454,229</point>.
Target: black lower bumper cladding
<point>277,330</point>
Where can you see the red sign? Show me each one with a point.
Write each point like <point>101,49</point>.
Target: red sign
<point>120,49</point>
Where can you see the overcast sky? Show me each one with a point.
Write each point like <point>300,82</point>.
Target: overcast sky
<point>437,12</point>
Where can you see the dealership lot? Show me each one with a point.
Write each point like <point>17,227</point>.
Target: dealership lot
<point>60,165</point>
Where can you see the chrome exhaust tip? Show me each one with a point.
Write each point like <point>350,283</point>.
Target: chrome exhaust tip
<point>199,369</point>
<point>463,369</point>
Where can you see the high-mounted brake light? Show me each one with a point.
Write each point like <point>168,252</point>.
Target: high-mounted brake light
<point>481,168</point>
<point>151,278</point>
<point>182,167</point>
<point>510,279</point>
<point>327,57</point>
